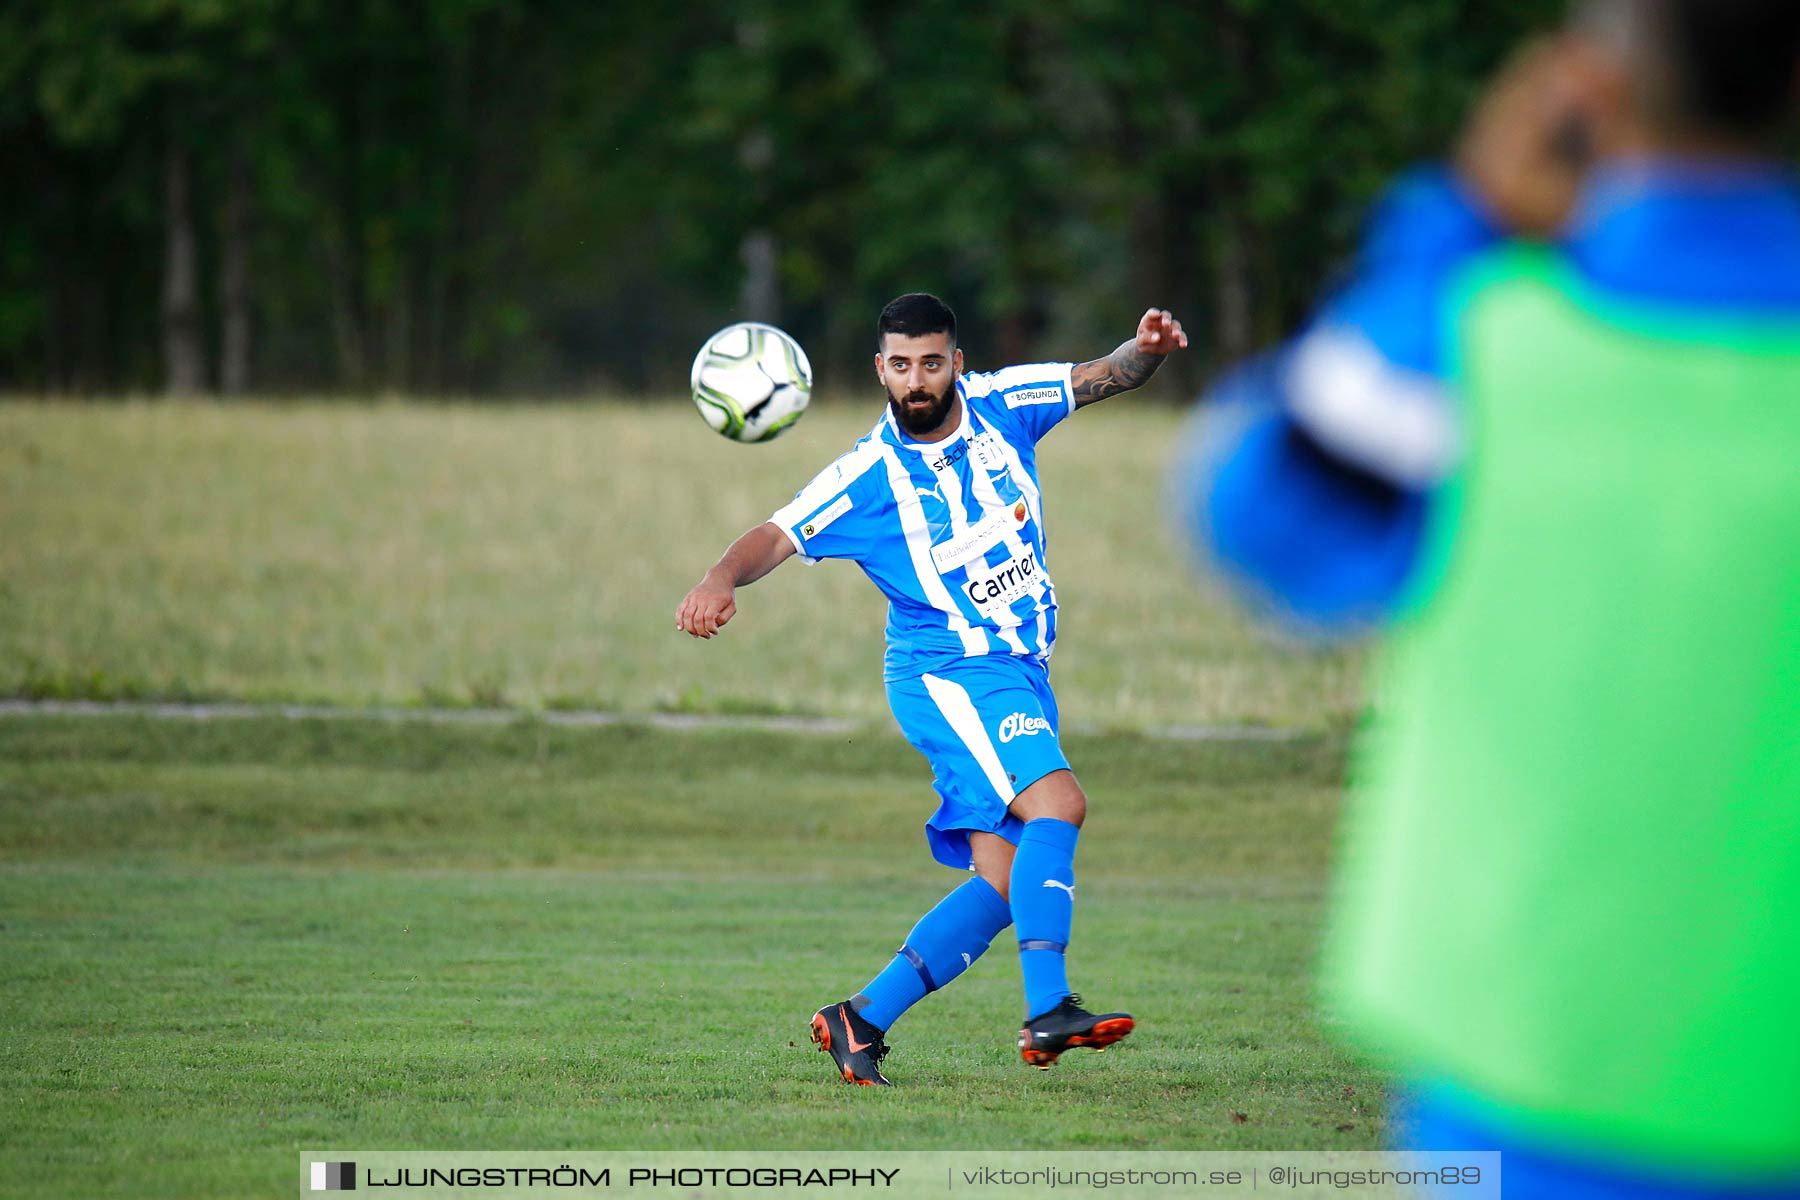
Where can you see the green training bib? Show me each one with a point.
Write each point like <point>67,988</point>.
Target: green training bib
<point>1571,871</point>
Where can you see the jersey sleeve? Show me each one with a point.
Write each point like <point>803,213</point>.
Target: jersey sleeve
<point>1026,400</point>
<point>1310,489</point>
<point>1365,380</point>
<point>834,515</point>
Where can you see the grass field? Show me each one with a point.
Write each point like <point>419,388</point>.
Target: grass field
<point>534,556</point>
<point>231,940</point>
<point>226,941</point>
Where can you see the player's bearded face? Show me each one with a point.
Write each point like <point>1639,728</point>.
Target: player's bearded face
<point>920,410</point>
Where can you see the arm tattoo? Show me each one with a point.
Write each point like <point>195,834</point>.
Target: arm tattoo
<point>1123,369</point>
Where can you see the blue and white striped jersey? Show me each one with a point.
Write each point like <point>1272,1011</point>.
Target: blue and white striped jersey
<point>952,532</point>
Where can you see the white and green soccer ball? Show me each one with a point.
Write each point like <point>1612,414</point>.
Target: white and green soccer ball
<point>751,381</point>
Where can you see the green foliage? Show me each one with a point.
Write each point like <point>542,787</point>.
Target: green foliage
<point>532,194</point>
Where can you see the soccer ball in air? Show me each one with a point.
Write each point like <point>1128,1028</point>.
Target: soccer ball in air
<point>751,381</point>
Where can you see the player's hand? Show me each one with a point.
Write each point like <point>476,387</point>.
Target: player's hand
<point>1160,333</point>
<point>1526,147</point>
<point>705,610</point>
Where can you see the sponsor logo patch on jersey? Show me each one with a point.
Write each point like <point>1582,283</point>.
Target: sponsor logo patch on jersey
<point>980,538</point>
<point>994,589</point>
<point>1043,395</point>
<point>950,457</point>
<point>831,512</point>
<point>1020,725</point>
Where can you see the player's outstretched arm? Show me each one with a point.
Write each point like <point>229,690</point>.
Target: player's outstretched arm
<point>713,601</point>
<point>1159,334</point>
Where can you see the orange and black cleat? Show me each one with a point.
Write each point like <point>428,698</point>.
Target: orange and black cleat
<point>854,1045</point>
<point>1066,1026</point>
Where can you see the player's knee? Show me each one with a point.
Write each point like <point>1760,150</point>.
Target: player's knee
<point>1056,795</point>
<point>1074,807</point>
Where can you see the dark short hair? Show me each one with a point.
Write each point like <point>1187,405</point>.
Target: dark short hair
<point>915,314</point>
<point>1737,62</point>
<point>1732,66</point>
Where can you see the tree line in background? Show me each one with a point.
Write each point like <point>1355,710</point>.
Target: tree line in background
<point>474,197</point>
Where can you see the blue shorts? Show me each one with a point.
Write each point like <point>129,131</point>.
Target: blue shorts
<point>988,727</point>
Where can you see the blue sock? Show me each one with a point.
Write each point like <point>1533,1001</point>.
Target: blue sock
<point>945,943</point>
<point>1043,908</point>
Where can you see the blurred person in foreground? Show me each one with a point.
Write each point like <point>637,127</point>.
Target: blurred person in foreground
<point>1550,433</point>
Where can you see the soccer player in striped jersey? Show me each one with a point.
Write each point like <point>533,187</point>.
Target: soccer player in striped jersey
<point>939,505</point>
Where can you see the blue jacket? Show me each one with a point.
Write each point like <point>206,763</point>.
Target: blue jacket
<point>1311,482</point>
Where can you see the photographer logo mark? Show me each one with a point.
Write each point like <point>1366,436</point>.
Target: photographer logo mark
<point>334,1177</point>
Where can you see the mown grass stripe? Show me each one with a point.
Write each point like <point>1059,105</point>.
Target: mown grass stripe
<point>575,719</point>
